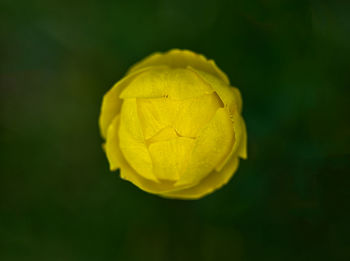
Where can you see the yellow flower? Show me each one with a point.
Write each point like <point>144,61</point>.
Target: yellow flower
<point>173,125</point>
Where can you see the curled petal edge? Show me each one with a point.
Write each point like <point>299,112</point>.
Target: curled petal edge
<point>181,59</point>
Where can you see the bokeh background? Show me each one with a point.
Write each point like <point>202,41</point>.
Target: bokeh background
<point>288,201</point>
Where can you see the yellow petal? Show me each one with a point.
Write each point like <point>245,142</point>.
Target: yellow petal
<point>242,148</point>
<point>229,95</point>
<point>117,160</point>
<point>167,82</point>
<point>167,133</point>
<point>132,143</point>
<point>114,155</point>
<point>210,183</point>
<point>232,99</point>
<point>156,114</point>
<point>238,98</point>
<point>181,59</point>
<point>195,113</point>
<point>212,145</point>
<point>129,174</point>
<point>170,157</point>
<point>239,147</point>
<point>111,103</point>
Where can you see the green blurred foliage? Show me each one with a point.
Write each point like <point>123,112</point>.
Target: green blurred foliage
<point>288,201</point>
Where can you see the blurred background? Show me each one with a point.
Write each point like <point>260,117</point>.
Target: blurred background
<point>288,201</point>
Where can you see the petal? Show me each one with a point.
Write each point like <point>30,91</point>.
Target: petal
<point>196,113</point>
<point>170,157</point>
<point>242,148</point>
<point>212,146</point>
<point>207,185</point>
<point>232,99</point>
<point>168,82</point>
<point>181,59</point>
<point>132,143</point>
<point>229,95</point>
<point>156,114</point>
<point>167,133</point>
<point>129,174</point>
<point>240,145</point>
<point>113,152</point>
<point>212,182</point>
<point>117,160</point>
<point>111,103</point>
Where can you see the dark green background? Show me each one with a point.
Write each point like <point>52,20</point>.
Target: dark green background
<point>288,201</point>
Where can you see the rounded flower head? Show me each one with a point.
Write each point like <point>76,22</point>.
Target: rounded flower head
<point>173,125</point>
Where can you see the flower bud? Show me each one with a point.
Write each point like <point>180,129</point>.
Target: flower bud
<point>173,125</point>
